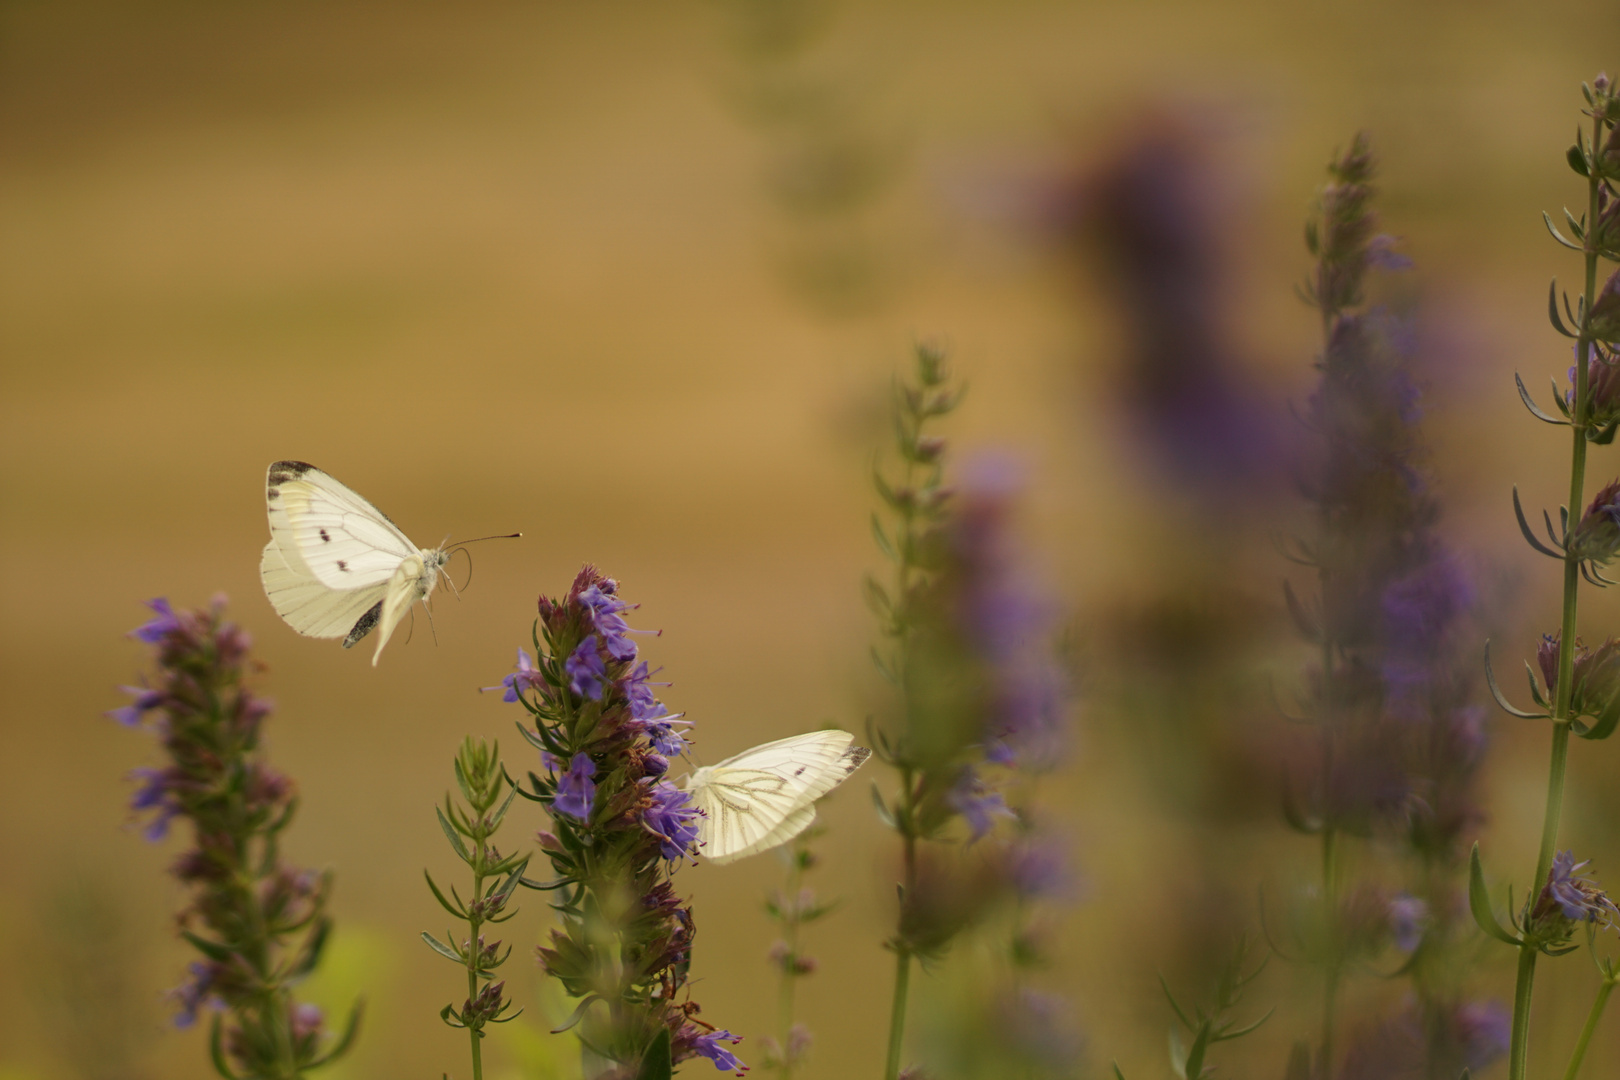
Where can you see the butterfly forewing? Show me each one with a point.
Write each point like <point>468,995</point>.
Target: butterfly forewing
<point>327,530</point>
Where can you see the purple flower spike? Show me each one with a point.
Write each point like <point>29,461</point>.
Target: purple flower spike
<point>708,1045</point>
<point>1576,895</point>
<point>145,701</point>
<point>604,611</point>
<point>586,671</point>
<point>157,629</point>
<point>670,819</point>
<point>576,791</point>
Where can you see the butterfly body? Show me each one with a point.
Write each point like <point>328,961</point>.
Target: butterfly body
<point>336,566</point>
<point>766,796</point>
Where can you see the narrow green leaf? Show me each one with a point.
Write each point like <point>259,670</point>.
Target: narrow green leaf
<point>345,1041</point>
<point>1496,691</point>
<point>442,949</point>
<point>216,1050</point>
<point>211,949</point>
<point>1479,902</point>
<point>450,834</point>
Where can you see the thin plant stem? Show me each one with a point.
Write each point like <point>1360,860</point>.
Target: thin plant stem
<point>897,1015</point>
<point>1579,422</point>
<point>475,952</point>
<point>902,951</point>
<point>790,975</point>
<point>1592,1019</point>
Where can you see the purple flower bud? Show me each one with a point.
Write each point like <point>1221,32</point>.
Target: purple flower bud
<point>197,992</point>
<point>1485,1030</point>
<point>1547,660</point>
<point>586,670</point>
<point>1597,535</point>
<point>576,790</point>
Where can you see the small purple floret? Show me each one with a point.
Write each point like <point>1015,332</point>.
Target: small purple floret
<point>708,1045</point>
<point>145,701</point>
<point>526,677</point>
<point>576,791</point>
<point>586,670</point>
<point>672,820</point>
<point>157,629</point>
<point>1408,918</point>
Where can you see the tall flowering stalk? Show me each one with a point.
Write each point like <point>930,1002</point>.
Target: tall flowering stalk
<point>1579,687</point>
<point>1396,744</point>
<point>257,922</point>
<point>976,695</point>
<point>619,828</point>
<point>495,877</point>
<point>792,907</point>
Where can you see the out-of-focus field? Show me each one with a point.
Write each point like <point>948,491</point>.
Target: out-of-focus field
<point>511,266</point>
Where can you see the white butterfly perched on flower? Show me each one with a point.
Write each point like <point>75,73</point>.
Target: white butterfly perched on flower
<point>335,566</point>
<point>766,796</point>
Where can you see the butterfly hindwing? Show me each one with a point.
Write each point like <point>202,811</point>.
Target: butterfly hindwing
<point>766,796</point>
<point>329,531</point>
<point>309,606</point>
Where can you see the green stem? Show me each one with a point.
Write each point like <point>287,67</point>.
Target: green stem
<point>1587,1031</point>
<point>1334,970</point>
<point>474,951</point>
<point>1519,1051</point>
<point>902,949</point>
<point>897,1014</point>
<point>790,934</point>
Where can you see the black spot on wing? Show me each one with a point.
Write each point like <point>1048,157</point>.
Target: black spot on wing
<point>800,770</point>
<point>273,493</point>
<point>364,626</point>
<point>328,539</point>
<point>854,758</point>
<point>341,564</point>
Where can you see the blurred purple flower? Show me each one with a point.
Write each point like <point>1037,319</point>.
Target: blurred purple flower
<point>196,992</point>
<point>157,629</point>
<point>1408,919</point>
<point>576,791</point>
<point>978,806</point>
<point>586,670</point>
<point>1040,869</point>
<point>145,701</point>
<point>1484,1028</point>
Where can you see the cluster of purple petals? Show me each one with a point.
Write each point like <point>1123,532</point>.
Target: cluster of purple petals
<point>576,788</point>
<point>671,819</point>
<point>1574,893</point>
<point>587,673</point>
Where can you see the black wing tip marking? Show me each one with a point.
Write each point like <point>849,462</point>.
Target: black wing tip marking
<point>854,758</point>
<point>282,471</point>
<point>364,625</point>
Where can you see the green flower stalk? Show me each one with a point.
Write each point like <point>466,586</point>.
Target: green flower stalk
<point>792,907</point>
<point>469,829</point>
<point>259,924</point>
<point>1590,543</point>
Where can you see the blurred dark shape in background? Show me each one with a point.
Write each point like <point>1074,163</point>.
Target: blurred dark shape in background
<point>1149,217</point>
<point>829,158</point>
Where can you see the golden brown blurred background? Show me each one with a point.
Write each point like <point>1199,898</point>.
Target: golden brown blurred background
<point>633,278</point>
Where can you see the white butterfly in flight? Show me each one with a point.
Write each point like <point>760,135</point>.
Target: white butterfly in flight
<point>766,796</point>
<point>335,566</point>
